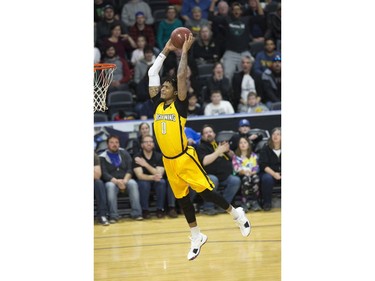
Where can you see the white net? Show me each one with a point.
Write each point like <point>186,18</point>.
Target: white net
<point>103,75</point>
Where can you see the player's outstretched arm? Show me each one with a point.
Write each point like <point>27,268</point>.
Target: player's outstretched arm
<point>182,67</point>
<point>153,72</point>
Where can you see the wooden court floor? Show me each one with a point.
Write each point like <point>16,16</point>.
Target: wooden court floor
<point>156,249</point>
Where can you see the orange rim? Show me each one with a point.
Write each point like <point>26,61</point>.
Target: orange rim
<point>101,66</point>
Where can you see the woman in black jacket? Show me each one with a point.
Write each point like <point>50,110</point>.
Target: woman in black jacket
<point>270,167</point>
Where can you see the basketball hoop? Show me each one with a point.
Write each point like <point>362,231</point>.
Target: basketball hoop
<point>103,75</point>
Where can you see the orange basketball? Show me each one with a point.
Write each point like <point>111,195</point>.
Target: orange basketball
<point>178,36</point>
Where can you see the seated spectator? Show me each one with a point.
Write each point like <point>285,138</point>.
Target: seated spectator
<point>271,83</point>
<point>123,43</point>
<point>122,74</point>
<point>196,22</point>
<point>204,49</point>
<point>194,108</point>
<point>141,28</point>
<point>245,165</point>
<point>116,165</point>
<point>218,106</point>
<point>216,158</point>
<point>166,27</point>
<point>189,5</point>
<point>270,167</point>
<point>100,193</point>
<point>138,53</point>
<point>103,27</point>
<point>219,82</point>
<point>243,83</point>
<point>99,6</point>
<point>244,131</point>
<point>149,170</point>
<point>263,59</point>
<point>131,8</point>
<point>253,104</point>
<point>142,65</point>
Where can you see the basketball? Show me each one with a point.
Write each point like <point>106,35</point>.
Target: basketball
<point>178,36</point>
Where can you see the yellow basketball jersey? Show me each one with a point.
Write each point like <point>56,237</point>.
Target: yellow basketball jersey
<point>169,131</point>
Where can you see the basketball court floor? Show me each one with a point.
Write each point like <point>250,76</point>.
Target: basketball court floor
<point>156,249</point>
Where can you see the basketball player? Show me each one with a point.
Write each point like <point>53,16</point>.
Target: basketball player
<point>180,160</point>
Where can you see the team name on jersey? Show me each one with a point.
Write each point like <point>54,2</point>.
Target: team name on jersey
<point>170,117</point>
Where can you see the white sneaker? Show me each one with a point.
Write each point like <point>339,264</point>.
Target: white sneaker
<point>243,222</point>
<point>196,245</point>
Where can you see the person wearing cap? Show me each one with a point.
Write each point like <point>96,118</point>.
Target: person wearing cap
<point>244,131</point>
<point>271,82</point>
<point>103,27</point>
<point>263,59</point>
<point>141,28</point>
<point>129,10</point>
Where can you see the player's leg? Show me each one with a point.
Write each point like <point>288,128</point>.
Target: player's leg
<point>197,178</point>
<point>181,191</point>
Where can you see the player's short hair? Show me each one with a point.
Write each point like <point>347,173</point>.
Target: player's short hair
<point>173,81</point>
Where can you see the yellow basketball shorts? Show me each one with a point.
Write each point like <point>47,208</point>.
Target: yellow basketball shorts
<point>185,171</point>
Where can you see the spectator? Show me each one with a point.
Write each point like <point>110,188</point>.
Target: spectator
<point>263,59</point>
<point>138,53</point>
<point>237,40</point>
<point>271,83</point>
<point>257,20</point>
<point>166,27</point>
<point>149,171</point>
<point>131,8</point>
<point>122,74</point>
<point>253,104</point>
<point>204,49</point>
<point>244,131</point>
<point>123,43</point>
<point>103,27</point>
<point>219,82</point>
<point>218,19</point>
<point>217,161</point>
<point>116,165</point>
<point>243,83</point>
<point>245,165</point>
<point>270,167</point>
<point>274,27</point>
<point>141,28</point>
<point>100,194</point>
<point>99,8</point>
<point>218,106</point>
<point>189,5</point>
<point>196,22</point>
<point>194,108</point>
<point>143,64</point>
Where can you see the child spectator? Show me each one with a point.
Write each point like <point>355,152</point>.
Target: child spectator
<point>253,104</point>
<point>218,106</point>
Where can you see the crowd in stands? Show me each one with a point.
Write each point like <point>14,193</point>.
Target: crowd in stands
<point>245,164</point>
<point>234,64</point>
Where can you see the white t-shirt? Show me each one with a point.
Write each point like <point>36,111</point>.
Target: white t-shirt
<point>247,85</point>
<point>224,107</point>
